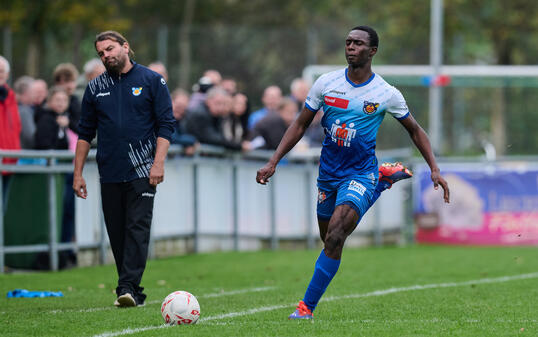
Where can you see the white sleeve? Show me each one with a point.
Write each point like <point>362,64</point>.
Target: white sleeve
<point>314,100</point>
<point>397,106</point>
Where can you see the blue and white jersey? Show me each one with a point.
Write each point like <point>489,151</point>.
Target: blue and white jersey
<point>352,116</point>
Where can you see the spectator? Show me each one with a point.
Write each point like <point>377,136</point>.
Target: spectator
<point>214,76</point>
<point>53,133</point>
<point>92,68</point>
<point>10,123</point>
<point>271,100</point>
<point>159,68</point>
<point>65,76</point>
<point>205,122</point>
<point>230,85</point>
<point>25,99</point>
<point>199,93</point>
<point>299,90</point>
<point>269,131</point>
<point>315,134</point>
<point>180,100</point>
<point>40,91</point>
<point>235,125</point>
<point>210,79</point>
<point>52,126</point>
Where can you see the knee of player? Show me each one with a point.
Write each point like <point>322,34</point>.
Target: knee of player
<point>334,239</point>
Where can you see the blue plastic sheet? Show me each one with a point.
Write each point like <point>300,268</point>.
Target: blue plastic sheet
<point>20,293</point>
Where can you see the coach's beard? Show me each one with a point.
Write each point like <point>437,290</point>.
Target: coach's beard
<point>115,68</point>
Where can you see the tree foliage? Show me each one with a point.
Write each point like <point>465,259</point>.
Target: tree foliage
<point>262,42</point>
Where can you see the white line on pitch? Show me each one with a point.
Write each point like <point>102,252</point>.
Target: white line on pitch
<point>129,331</point>
<point>210,295</point>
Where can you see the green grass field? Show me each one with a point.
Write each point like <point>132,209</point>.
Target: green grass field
<point>413,291</point>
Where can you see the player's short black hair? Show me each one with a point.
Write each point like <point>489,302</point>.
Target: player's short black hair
<point>372,34</point>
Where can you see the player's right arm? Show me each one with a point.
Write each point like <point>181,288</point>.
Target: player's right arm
<point>293,134</point>
<point>81,153</point>
<point>87,129</point>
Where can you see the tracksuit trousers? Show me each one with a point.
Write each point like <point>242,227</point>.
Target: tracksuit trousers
<point>128,211</point>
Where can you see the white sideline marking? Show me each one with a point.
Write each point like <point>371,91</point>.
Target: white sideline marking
<point>431,286</point>
<point>129,331</point>
<point>210,295</point>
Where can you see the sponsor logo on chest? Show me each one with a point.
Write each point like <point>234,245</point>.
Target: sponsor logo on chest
<point>342,134</point>
<point>336,102</point>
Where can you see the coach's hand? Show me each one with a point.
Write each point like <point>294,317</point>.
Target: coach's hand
<point>263,174</point>
<point>79,186</point>
<point>439,180</point>
<point>156,174</point>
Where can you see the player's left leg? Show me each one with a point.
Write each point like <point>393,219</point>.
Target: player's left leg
<point>340,226</point>
<point>114,213</point>
<point>139,200</point>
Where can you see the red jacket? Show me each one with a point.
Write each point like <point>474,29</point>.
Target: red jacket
<point>10,125</point>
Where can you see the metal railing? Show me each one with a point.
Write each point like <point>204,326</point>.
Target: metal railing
<point>307,159</point>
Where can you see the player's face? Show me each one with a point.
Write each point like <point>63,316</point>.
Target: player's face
<point>113,55</point>
<point>358,50</point>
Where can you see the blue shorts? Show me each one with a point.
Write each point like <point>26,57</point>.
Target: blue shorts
<point>355,191</point>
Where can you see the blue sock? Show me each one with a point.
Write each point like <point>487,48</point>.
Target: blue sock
<point>324,272</point>
<point>381,186</point>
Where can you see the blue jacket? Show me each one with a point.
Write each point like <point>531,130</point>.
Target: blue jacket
<point>128,112</point>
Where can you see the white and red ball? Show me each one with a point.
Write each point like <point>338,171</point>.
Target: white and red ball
<point>180,308</point>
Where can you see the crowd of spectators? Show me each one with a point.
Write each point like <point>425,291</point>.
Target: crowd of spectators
<point>36,116</point>
<point>216,112</point>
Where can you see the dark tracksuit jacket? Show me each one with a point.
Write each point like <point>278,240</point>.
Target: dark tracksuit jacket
<point>128,112</point>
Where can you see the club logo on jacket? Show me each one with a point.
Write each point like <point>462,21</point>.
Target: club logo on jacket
<point>137,91</point>
<point>369,107</point>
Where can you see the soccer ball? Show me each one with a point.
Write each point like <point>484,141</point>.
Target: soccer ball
<point>179,308</point>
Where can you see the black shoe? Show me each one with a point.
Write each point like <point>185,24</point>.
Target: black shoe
<point>140,299</point>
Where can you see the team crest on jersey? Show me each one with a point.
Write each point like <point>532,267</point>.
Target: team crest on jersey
<point>342,134</point>
<point>369,107</point>
<point>137,91</point>
<point>321,196</point>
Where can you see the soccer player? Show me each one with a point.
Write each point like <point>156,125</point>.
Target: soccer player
<point>354,101</point>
